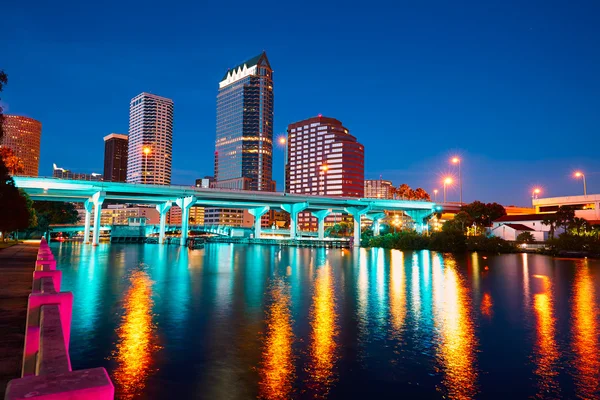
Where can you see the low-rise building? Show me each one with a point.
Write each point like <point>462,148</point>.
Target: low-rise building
<point>508,227</point>
<point>586,206</point>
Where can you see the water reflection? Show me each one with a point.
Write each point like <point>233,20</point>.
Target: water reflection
<point>546,349</point>
<point>277,368</point>
<point>323,335</point>
<point>457,343</point>
<point>585,334</point>
<point>397,293</point>
<point>137,339</point>
<point>486,305</point>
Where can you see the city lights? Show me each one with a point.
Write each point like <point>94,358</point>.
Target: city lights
<point>536,192</point>
<point>447,181</point>
<point>456,160</point>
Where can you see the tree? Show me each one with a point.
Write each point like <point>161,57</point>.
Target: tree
<point>421,194</point>
<point>13,163</point>
<point>403,191</point>
<point>525,237</point>
<point>564,218</point>
<point>484,214</point>
<point>54,212</point>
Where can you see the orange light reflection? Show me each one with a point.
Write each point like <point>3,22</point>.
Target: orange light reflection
<point>137,339</point>
<point>397,292</point>
<point>458,343</point>
<point>486,305</point>
<point>546,349</point>
<point>585,334</point>
<point>277,369</point>
<point>323,336</point>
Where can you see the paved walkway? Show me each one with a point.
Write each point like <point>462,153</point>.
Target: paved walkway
<point>16,273</point>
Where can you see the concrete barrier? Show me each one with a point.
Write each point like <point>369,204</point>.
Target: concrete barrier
<point>46,372</point>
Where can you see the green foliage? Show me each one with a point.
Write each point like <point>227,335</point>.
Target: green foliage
<point>569,242</point>
<point>490,244</point>
<point>525,237</point>
<point>13,206</point>
<point>338,230</point>
<point>452,241</point>
<point>404,240</point>
<point>484,214</point>
<point>53,212</point>
<point>459,223</point>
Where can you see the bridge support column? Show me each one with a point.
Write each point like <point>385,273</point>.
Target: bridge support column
<point>293,210</point>
<point>97,199</point>
<point>376,218</point>
<point>356,213</point>
<point>320,216</point>
<point>185,203</point>
<point>163,209</point>
<point>258,213</point>
<point>88,206</point>
<point>419,217</point>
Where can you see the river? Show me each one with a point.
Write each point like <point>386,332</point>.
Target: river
<point>249,321</point>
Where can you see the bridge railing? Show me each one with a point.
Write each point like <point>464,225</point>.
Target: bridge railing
<point>46,371</point>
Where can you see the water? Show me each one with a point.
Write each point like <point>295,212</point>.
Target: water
<point>241,322</point>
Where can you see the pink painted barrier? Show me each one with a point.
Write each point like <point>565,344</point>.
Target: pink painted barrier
<point>46,372</point>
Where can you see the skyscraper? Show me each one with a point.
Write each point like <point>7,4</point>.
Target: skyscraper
<point>244,142</point>
<point>379,189</point>
<point>324,159</point>
<point>62,173</point>
<point>22,135</point>
<point>115,157</point>
<point>150,140</point>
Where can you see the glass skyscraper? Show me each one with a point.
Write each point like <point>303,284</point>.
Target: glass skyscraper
<point>244,142</point>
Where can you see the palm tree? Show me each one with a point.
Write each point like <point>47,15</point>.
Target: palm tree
<point>13,163</point>
<point>403,191</point>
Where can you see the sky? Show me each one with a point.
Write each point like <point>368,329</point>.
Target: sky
<point>512,87</point>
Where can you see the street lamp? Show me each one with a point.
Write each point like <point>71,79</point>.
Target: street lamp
<point>536,193</point>
<point>146,151</point>
<point>447,181</point>
<point>456,160</point>
<point>283,142</point>
<point>435,192</point>
<point>580,174</point>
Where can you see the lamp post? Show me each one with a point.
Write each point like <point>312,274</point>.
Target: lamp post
<point>435,192</point>
<point>456,160</point>
<point>283,142</point>
<point>447,181</point>
<point>580,174</point>
<point>536,193</point>
<point>146,151</point>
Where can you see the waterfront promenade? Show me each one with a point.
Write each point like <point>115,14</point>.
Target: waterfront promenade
<point>16,268</point>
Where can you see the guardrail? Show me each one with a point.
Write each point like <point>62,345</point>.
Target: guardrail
<point>46,371</point>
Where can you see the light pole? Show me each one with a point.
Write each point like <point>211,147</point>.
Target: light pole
<point>580,174</point>
<point>435,192</point>
<point>146,151</point>
<point>447,181</point>
<point>283,142</point>
<point>456,160</point>
<point>536,193</point>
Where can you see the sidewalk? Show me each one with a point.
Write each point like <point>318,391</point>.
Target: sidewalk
<point>17,264</point>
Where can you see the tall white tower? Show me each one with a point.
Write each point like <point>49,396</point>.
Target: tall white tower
<point>150,140</point>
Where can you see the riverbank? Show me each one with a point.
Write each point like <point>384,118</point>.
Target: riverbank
<point>17,264</point>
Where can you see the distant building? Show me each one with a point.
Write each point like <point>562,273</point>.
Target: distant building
<point>115,158</point>
<point>586,207</point>
<point>22,135</point>
<point>378,189</point>
<point>244,140</point>
<point>508,227</point>
<point>228,216</point>
<point>205,183</point>
<point>62,173</point>
<point>150,142</point>
<point>119,214</point>
<point>324,159</point>
<point>196,216</point>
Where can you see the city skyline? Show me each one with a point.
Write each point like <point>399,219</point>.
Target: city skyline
<point>491,111</point>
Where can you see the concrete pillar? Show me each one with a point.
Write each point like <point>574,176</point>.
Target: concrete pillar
<point>376,227</point>
<point>163,209</point>
<point>419,218</point>
<point>88,206</point>
<point>320,216</point>
<point>293,210</point>
<point>258,213</point>
<point>185,203</point>
<point>376,218</point>
<point>356,213</point>
<point>97,199</point>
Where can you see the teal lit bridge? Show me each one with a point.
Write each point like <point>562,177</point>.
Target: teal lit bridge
<point>93,194</point>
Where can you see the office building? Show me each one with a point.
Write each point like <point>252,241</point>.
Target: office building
<point>115,158</point>
<point>62,173</point>
<point>244,140</point>
<point>150,144</point>
<point>378,189</point>
<point>324,159</point>
<point>22,135</point>
<point>205,183</point>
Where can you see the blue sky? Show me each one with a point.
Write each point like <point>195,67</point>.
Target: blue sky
<point>511,86</point>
